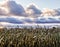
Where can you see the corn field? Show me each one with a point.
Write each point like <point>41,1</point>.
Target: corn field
<point>39,37</point>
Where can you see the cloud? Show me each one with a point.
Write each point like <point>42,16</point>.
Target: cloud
<point>49,12</point>
<point>2,12</point>
<point>12,8</point>
<point>16,19</point>
<point>42,20</point>
<point>32,9</point>
<point>11,20</point>
<point>58,11</point>
<point>29,20</point>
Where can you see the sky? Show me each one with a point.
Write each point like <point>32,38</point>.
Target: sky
<point>41,3</point>
<point>29,12</point>
<point>52,4</point>
<point>30,7</point>
<point>17,12</point>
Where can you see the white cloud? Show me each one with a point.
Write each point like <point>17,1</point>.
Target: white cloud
<point>32,9</point>
<point>49,12</point>
<point>12,8</point>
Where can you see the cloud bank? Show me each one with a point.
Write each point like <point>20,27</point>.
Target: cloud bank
<point>12,8</point>
<point>29,20</point>
<point>14,13</point>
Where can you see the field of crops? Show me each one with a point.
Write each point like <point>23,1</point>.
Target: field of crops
<point>39,37</point>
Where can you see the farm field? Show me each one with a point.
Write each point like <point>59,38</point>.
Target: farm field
<point>24,37</point>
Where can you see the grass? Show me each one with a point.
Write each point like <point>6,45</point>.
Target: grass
<point>39,37</point>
